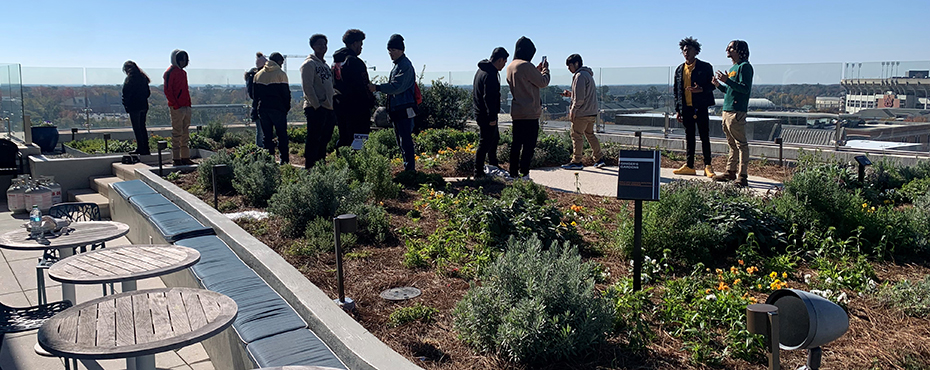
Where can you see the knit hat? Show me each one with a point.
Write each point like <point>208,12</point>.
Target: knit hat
<point>396,42</point>
<point>525,49</point>
<point>260,60</point>
<point>498,53</point>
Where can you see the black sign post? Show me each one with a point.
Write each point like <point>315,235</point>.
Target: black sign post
<point>638,180</point>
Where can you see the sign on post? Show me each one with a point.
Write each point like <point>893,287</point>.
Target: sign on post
<point>638,177</point>
<point>638,180</point>
<point>359,141</point>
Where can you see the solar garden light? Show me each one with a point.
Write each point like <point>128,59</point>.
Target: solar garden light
<point>863,161</point>
<point>218,169</point>
<point>106,143</point>
<point>781,148</point>
<point>73,133</point>
<point>347,223</point>
<point>162,145</point>
<point>808,321</point>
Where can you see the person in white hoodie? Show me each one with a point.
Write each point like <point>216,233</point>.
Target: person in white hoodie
<point>317,81</point>
<point>583,113</point>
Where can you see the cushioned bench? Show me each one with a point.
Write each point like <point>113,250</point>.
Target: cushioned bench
<point>169,220</point>
<point>297,347</point>
<point>129,189</point>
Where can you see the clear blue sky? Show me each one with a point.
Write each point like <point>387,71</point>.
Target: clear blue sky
<point>454,35</point>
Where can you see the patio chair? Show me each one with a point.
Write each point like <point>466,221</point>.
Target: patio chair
<point>16,319</point>
<point>74,212</point>
<point>10,158</point>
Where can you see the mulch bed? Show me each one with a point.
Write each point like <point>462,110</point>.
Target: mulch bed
<point>878,337</point>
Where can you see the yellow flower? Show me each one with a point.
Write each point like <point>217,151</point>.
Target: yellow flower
<point>574,223</point>
<point>381,204</point>
<point>719,272</point>
<point>759,286</point>
<point>752,300</point>
<point>887,201</point>
<point>773,275</point>
<point>733,270</point>
<point>865,205</point>
<point>562,224</point>
<point>707,291</point>
<point>722,286</point>
<point>737,281</point>
<point>784,275</point>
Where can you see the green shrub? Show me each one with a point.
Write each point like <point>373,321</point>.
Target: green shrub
<point>205,172</point>
<point>444,106</point>
<point>912,298</point>
<point>214,131</point>
<point>415,179</point>
<point>235,139</point>
<point>383,142</point>
<point>418,312</point>
<point>529,191</point>
<point>96,146</point>
<point>552,149</point>
<point>433,140</point>
<point>370,167</point>
<point>916,188</point>
<point>534,305</point>
<point>198,141</point>
<point>319,238</point>
<point>632,311</point>
<point>153,143</point>
<point>327,190</point>
<point>297,134</point>
<point>255,173</point>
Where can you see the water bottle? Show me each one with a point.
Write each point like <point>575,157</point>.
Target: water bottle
<point>35,220</point>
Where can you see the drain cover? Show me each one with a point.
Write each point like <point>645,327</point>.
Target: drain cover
<point>400,294</point>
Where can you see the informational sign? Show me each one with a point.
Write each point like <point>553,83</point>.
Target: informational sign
<point>638,177</point>
<point>359,141</point>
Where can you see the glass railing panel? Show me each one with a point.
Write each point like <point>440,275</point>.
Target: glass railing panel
<point>11,101</point>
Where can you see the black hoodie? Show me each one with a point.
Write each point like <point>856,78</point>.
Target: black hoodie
<point>524,50</point>
<point>486,94</point>
<point>351,85</point>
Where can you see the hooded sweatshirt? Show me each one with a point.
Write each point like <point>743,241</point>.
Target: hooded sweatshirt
<point>351,84</point>
<point>176,89</point>
<point>271,88</point>
<point>486,95</point>
<point>584,93</point>
<point>317,81</point>
<point>525,81</point>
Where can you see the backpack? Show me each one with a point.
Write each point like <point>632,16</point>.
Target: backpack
<point>417,96</point>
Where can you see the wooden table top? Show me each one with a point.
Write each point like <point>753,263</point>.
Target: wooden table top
<point>137,323</point>
<point>83,233</point>
<point>123,263</point>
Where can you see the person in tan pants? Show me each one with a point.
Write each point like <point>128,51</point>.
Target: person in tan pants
<point>582,113</point>
<point>179,106</point>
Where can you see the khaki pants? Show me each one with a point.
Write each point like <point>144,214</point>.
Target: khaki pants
<point>583,128</point>
<point>734,126</point>
<point>180,132</point>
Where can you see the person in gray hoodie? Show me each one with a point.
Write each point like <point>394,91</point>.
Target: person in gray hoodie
<point>583,113</point>
<point>317,81</point>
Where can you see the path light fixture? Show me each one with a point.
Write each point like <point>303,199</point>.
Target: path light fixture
<point>73,133</point>
<point>781,147</point>
<point>803,320</point>
<point>162,145</point>
<point>219,170</point>
<point>106,143</point>
<point>639,136</point>
<point>347,223</point>
<point>863,161</point>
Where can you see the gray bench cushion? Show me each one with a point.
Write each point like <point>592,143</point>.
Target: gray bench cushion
<point>128,189</point>
<point>178,225</point>
<point>297,347</point>
<point>215,258</point>
<point>159,208</point>
<point>262,312</point>
<point>148,200</point>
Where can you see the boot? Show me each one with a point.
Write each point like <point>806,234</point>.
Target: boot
<point>709,171</point>
<point>177,162</point>
<point>743,181</point>
<point>728,176</point>
<point>684,170</point>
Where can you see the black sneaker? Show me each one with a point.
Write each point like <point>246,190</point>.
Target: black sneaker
<point>573,166</point>
<point>600,163</point>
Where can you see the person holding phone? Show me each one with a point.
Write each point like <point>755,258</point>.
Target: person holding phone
<point>694,93</point>
<point>525,81</point>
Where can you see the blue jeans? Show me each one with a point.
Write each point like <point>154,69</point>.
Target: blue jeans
<point>275,122</point>
<point>403,131</point>
<point>259,135</point>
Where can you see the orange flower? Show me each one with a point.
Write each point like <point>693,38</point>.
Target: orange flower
<point>722,286</point>
<point>740,262</point>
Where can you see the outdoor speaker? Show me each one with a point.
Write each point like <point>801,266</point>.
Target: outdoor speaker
<point>807,320</point>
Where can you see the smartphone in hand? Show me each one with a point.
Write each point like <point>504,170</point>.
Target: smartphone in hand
<point>544,59</point>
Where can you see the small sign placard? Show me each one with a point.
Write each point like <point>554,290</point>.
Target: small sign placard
<point>359,141</point>
<point>638,176</point>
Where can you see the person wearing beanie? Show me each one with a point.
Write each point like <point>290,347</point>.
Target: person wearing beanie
<point>317,81</point>
<point>260,61</point>
<point>179,107</point>
<point>582,113</point>
<point>274,101</point>
<point>736,86</point>
<point>486,97</point>
<point>525,81</point>
<point>402,105</point>
<point>353,102</point>
<point>136,94</point>
<point>694,93</point>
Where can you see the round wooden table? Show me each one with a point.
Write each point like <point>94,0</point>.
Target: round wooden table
<point>137,324</point>
<point>80,234</point>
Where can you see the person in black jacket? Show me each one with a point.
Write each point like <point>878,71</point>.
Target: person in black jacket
<point>274,101</point>
<point>260,61</point>
<point>694,93</point>
<point>353,101</point>
<point>136,101</point>
<point>486,97</point>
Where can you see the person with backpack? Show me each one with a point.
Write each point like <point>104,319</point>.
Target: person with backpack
<point>317,81</point>
<point>353,102</point>
<point>260,61</point>
<point>402,99</point>
<point>486,98</point>
<point>179,106</point>
<point>274,101</point>
<point>136,101</point>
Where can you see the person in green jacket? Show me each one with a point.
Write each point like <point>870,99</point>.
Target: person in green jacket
<point>736,85</point>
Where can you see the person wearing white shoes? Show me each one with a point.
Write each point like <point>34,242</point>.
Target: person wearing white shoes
<point>694,93</point>
<point>582,113</point>
<point>486,98</point>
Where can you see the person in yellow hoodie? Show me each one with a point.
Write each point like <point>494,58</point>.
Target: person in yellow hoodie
<point>525,81</point>
<point>317,81</point>
<point>274,101</point>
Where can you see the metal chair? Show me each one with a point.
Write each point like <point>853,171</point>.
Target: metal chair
<point>17,319</point>
<point>74,212</point>
<point>9,156</point>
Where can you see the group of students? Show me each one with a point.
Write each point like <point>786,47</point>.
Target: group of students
<point>342,94</point>
<point>695,82</point>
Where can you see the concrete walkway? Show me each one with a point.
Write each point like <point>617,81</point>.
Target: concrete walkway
<point>18,289</point>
